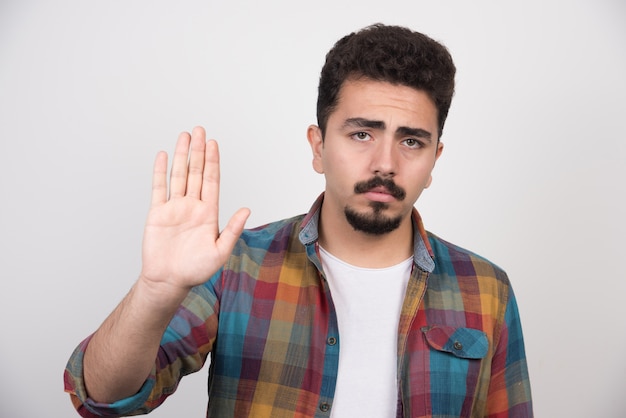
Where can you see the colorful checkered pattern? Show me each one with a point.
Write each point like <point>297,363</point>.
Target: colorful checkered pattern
<point>267,321</point>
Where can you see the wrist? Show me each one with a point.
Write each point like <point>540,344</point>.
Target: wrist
<point>159,295</point>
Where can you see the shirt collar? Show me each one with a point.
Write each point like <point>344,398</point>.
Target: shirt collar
<point>422,252</point>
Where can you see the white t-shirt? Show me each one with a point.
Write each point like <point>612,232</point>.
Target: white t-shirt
<point>368,304</point>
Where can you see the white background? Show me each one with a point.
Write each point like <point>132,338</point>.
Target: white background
<point>532,176</point>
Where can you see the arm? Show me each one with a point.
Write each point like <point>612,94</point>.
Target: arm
<point>509,390</point>
<point>182,248</point>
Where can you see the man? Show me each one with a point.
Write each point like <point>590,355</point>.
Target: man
<point>352,310</point>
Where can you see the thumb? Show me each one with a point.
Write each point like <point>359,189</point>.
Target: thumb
<point>228,237</point>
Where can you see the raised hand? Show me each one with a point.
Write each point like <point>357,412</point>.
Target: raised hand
<point>182,247</point>
<point>182,244</point>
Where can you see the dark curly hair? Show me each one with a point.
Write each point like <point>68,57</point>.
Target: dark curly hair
<point>393,54</point>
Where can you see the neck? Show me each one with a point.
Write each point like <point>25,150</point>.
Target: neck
<point>361,249</point>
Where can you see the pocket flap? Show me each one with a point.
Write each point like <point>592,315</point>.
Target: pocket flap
<point>462,342</point>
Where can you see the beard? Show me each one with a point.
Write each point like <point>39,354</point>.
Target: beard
<point>375,222</point>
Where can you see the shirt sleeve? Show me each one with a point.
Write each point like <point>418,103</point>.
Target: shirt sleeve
<point>509,390</point>
<point>184,348</point>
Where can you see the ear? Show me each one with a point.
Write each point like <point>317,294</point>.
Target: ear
<point>437,155</point>
<point>314,135</point>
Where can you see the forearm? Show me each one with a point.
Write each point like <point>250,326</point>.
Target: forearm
<point>123,350</point>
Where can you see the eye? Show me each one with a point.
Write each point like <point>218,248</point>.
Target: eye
<point>361,136</point>
<point>412,143</point>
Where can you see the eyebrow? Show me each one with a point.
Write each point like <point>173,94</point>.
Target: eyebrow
<point>377,124</point>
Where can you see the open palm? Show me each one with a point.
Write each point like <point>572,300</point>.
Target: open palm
<point>182,243</point>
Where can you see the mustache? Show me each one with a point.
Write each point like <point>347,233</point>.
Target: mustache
<point>393,189</point>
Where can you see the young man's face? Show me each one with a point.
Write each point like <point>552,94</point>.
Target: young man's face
<point>378,153</point>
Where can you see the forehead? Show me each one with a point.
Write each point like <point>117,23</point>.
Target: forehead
<point>368,98</point>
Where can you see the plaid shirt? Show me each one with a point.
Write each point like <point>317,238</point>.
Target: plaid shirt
<point>267,320</point>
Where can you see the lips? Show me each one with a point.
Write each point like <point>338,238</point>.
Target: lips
<point>379,189</point>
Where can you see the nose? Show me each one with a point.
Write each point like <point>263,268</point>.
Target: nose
<point>384,160</point>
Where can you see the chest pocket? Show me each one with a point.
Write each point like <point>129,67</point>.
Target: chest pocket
<point>455,364</point>
<point>464,343</point>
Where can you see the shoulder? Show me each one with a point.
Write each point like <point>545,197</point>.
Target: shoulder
<point>462,278</point>
<point>261,251</point>
<point>451,259</point>
<point>271,231</point>
<point>273,237</point>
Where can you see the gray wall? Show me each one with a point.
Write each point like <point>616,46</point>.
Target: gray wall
<point>532,176</point>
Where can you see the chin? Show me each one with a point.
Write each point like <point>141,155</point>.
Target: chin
<point>372,223</point>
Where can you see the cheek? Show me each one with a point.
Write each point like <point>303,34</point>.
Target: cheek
<point>339,174</point>
<point>420,181</point>
<point>336,165</point>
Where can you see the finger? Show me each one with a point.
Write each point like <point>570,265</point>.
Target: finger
<point>159,179</point>
<point>211,176</point>
<point>196,162</point>
<point>178,174</point>
<point>228,237</point>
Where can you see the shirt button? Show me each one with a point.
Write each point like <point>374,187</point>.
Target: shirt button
<point>331,341</point>
<point>324,407</point>
<point>458,345</point>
